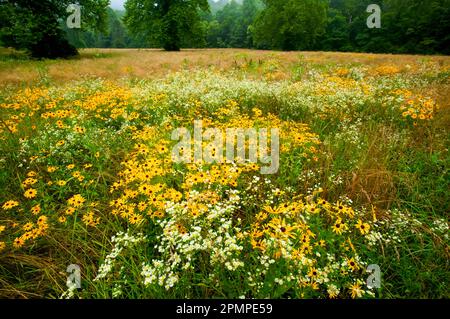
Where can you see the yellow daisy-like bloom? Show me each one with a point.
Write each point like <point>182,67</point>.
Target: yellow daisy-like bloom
<point>142,206</point>
<point>282,230</point>
<point>90,220</point>
<point>42,220</point>
<point>352,264</point>
<point>62,219</point>
<point>364,228</point>
<point>313,273</point>
<point>158,214</point>
<point>260,245</point>
<point>270,210</point>
<point>51,169</point>
<point>2,245</point>
<point>18,242</point>
<point>29,181</point>
<point>339,227</point>
<point>61,183</point>
<point>30,193</point>
<point>28,226</point>
<point>356,290</point>
<point>76,200</point>
<point>10,204</point>
<point>31,174</point>
<point>340,207</point>
<point>162,148</point>
<point>69,211</point>
<point>135,219</point>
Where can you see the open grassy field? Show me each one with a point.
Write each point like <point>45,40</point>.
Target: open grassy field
<point>87,176</point>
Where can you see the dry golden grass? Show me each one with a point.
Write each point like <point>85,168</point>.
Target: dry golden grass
<point>152,63</point>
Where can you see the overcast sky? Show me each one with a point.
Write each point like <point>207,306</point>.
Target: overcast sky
<point>117,4</point>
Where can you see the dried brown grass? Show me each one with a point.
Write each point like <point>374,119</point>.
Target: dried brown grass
<point>151,63</point>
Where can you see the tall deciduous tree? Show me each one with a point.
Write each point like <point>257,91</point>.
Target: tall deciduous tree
<point>35,25</point>
<point>290,24</point>
<point>169,23</point>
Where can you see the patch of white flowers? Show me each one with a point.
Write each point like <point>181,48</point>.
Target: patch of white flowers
<point>121,241</point>
<point>212,235</point>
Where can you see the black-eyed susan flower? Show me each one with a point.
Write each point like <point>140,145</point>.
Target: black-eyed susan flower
<point>339,227</point>
<point>89,219</point>
<point>30,193</point>
<point>364,228</point>
<point>76,200</point>
<point>281,228</point>
<point>10,204</point>
<point>62,219</point>
<point>340,207</point>
<point>28,226</point>
<point>42,220</point>
<point>352,264</point>
<point>61,183</point>
<point>135,219</point>
<point>313,273</point>
<point>69,210</point>
<point>18,242</point>
<point>31,174</point>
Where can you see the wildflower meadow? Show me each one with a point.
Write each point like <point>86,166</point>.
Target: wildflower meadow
<point>94,204</point>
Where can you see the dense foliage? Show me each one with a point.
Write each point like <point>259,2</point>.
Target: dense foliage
<point>407,26</point>
<point>168,23</point>
<point>35,25</point>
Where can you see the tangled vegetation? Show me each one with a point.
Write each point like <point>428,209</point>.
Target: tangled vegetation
<point>87,178</point>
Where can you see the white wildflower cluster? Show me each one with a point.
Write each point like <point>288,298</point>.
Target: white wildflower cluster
<point>392,230</point>
<point>117,290</point>
<point>440,226</point>
<point>121,241</point>
<point>69,293</point>
<point>184,239</point>
<point>350,132</point>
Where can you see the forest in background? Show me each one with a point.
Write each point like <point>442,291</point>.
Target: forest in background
<point>408,26</point>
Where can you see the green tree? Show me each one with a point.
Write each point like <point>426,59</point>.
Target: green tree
<point>417,26</point>
<point>35,25</point>
<point>230,19</point>
<point>229,25</point>
<point>250,10</point>
<point>169,23</point>
<point>290,24</point>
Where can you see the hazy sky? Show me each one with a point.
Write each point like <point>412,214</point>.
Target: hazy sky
<point>117,4</point>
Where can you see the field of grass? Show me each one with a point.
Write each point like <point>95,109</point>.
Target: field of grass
<point>87,177</point>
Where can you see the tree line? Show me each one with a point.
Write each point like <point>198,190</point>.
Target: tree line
<point>407,26</point>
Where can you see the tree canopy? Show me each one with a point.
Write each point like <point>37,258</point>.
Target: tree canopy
<point>290,24</point>
<point>35,25</point>
<point>169,23</point>
<point>407,26</point>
